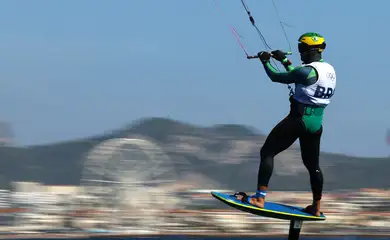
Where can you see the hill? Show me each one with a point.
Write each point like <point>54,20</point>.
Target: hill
<point>224,156</point>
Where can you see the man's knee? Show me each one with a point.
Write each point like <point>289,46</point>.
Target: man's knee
<point>266,156</point>
<point>266,152</point>
<point>263,152</point>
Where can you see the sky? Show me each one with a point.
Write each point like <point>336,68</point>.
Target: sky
<point>71,69</point>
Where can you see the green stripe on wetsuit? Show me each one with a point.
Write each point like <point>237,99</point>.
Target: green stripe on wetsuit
<point>304,75</point>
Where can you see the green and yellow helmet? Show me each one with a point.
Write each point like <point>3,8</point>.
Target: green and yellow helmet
<point>311,41</point>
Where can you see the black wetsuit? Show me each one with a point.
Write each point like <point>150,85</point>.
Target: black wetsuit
<point>304,122</point>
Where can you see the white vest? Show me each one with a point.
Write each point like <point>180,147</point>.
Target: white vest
<point>319,93</point>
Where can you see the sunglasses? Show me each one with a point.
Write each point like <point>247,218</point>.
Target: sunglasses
<point>305,48</point>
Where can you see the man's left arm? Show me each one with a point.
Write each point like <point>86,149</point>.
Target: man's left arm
<point>287,65</point>
<point>305,75</point>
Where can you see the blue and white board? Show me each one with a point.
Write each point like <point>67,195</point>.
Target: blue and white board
<point>271,209</point>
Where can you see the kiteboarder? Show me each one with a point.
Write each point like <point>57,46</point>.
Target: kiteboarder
<point>315,82</point>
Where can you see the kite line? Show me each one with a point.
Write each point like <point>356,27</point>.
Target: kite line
<point>261,35</point>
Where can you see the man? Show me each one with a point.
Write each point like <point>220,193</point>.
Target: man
<point>315,82</point>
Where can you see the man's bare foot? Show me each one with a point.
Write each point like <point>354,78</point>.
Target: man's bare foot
<point>255,201</point>
<point>314,209</point>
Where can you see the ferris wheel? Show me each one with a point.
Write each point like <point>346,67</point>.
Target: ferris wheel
<point>117,170</point>
<point>132,161</point>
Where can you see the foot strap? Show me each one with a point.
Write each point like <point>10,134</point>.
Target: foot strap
<point>246,199</point>
<point>260,193</point>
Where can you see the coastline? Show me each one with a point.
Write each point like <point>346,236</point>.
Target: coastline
<point>180,236</point>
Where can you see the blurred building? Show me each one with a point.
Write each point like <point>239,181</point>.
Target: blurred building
<point>388,136</point>
<point>6,134</point>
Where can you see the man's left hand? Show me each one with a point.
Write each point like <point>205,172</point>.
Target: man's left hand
<point>279,55</point>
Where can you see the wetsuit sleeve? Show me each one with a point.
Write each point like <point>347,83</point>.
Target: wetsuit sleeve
<point>305,75</point>
<point>287,65</point>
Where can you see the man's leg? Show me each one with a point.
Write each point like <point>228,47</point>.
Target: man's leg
<point>310,149</point>
<point>281,137</point>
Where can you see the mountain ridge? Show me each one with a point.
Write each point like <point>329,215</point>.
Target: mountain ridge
<point>224,153</point>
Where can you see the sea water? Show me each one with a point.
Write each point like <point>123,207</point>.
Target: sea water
<point>215,238</point>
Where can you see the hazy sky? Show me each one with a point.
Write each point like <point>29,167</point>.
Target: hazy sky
<point>77,68</point>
